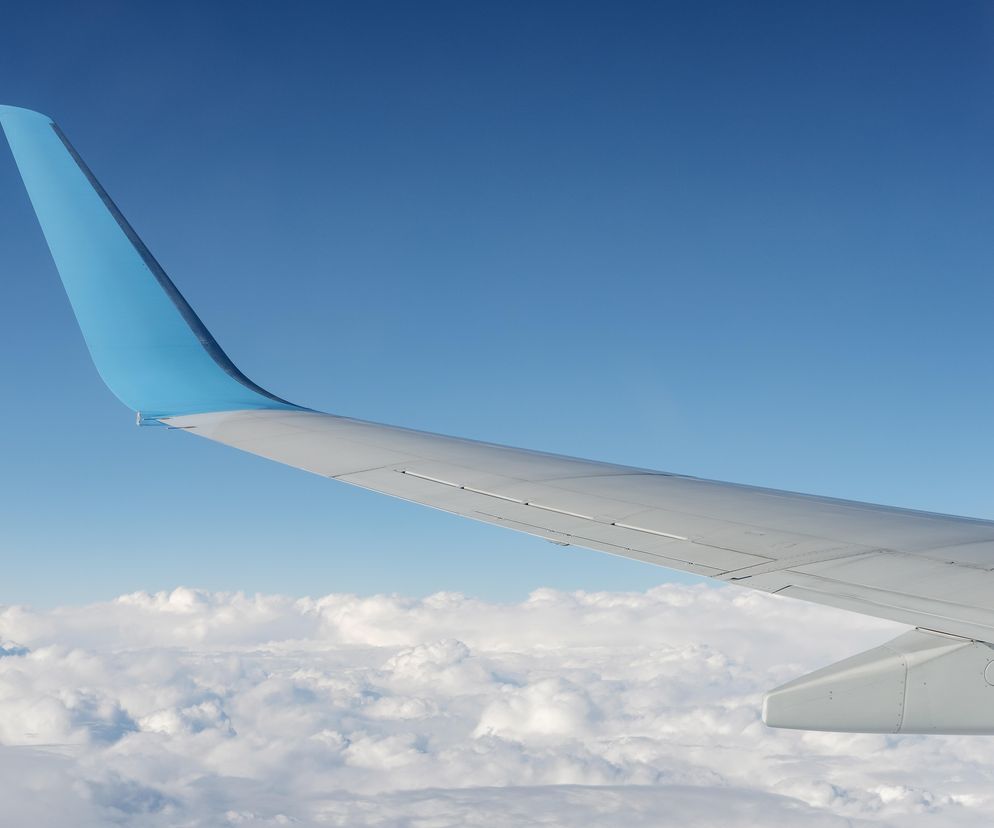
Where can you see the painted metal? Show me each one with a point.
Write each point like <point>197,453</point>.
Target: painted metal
<point>149,346</point>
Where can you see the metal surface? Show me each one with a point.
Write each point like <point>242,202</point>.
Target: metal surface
<point>920,568</point>
<point>149,346</point>
<point>920,682</point>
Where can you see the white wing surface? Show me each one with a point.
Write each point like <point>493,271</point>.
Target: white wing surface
<point>932,571</point>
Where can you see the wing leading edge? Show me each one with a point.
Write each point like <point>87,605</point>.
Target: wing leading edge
<point>933,571</point>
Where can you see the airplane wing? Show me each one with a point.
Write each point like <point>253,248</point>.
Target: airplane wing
<point>934,572</point>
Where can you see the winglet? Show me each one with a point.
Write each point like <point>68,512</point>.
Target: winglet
<point>148,344</point>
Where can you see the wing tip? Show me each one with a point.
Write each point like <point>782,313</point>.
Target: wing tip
<point>8,112</point>
<point>148,344</point>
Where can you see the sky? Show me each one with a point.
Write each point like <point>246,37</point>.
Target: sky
<point>745,242</point>
<point>748,242</point>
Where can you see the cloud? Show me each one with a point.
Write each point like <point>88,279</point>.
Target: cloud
<point>203,709</point>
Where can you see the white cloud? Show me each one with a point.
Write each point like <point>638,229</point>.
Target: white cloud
<point>203,709</point>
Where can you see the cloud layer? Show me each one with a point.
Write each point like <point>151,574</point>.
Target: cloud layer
<point>202,709</point>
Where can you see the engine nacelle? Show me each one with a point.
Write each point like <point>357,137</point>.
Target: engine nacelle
<point>921,682</point>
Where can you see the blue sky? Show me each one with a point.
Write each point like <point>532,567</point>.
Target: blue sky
<point>744,242</point>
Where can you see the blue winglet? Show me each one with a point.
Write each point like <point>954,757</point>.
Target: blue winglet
<point>149,346</point>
